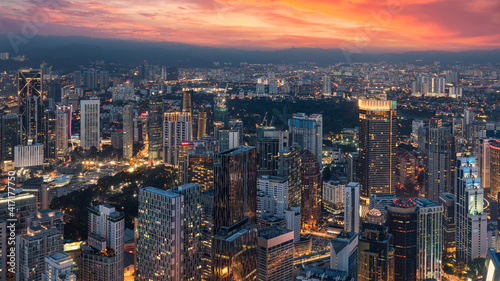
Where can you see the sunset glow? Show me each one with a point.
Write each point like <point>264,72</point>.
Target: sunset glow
<point>360,25</point>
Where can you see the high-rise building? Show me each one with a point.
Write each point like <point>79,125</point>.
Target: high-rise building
<point>494,164</point>
<point>380,200</point>
<point>235,184</point>
<point>327,85</point>
<point>30,103</point>
<point>155,126</point>
<point>307,131</point>
<point>344,253</point>
<point>90,124</point>
<point>68,109</point>
<point>187,105</point>
<point>24,205</point>
<point>49,135</point>
<point>429,239</point>
<point>471,221</point>
<point>177,129</point>
<point>275,254</point>
<point>221,113</point>
<point>228,139</point>
<point>39,188</point>
<point>289,166</point>
<point>375,252</point>
<point>32,248</point>
<point>102,256</point>
<point>62,134</point>
<point>234,247</point>
<point>28,155</point>
<point>402,221</point>
<point>128,131</point>
<point>169,226</point>
<point>449,225</point>
<point>492,266</point>
<point>159,230</point>
<point>200,168</point>
<point>441,161</point>
<point>58,267</point>
<point>333,195</point>
<point>207,233</point>
<point>10,136</point>
<point>276,189</point>
<point>47,218</point>
<point>351,207</point>
<point>377,146</point>
<point>292,217</point>
<point>202,124</point>
<point>310,176</point>
<point>270,142</point>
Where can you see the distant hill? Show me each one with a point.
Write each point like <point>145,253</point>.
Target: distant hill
<point>68,52</point>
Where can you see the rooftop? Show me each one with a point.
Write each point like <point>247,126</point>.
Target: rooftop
<point>161,192</point>
<point>272,232</point>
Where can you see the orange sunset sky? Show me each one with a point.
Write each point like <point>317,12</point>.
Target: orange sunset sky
<point>381,25</point>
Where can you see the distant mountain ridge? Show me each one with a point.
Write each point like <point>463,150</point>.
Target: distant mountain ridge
<point>68,52</point>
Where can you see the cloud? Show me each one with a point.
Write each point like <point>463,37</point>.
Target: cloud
<point>258,24</point>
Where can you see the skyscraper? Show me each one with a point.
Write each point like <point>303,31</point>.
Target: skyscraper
<point>177,129</point>
<point>207,233</point>
<point>30,103</point>
<point>49,135</point>
<point>235,183</point>
<point>200,168</point>
<point>471,241</point>
<point>187,106</point>
<point>275,254</point>
<point>90,124</point>
<point>61,134</point>
<point>289,166</point>
<point>377,146</point>
<point>155,128</point>
<point>32,248</point>
<point>327,85</point>
<point>101,257</point>
<point>202,124</point>
<point>494,173</point>
<point>429,239</point>
<point>375,252</point>
<point>270,142</point>
<point>351,207</point>
<point>10,136</point>
<point>402,221</point>
<point>344,253</point>
<point>234,250</point>
<point>311,190</point>
<point>68,109</point>
<point>169,227</point>
<point>307,131</point>
<point>276,190</point>
<point>449,225</point>
<point>441,161</point>
<point>128,131</point>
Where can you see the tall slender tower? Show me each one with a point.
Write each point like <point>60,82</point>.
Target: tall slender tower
<point>202,124</point>
<point>377,146</point>
<point>307,131</point>
<point>61,134</point>
<point>128,131</point>
<point>187,106</point>
<point>402,217</point>
<point>351,207</point>
<point>90,124</point>
<point>429,239</point>
<point>311,190</point>
<point>177,129</point>
<point>471,241</point>
<point>30,95</point>
<point>155,121</point>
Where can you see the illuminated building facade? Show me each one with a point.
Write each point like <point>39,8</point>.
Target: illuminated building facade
<point>200,167</point>
<point>128,131</point>
<point>494,163</point>
<point>176,130</point>
<point>429,239</point>
<point>90,124</point>
<point>275,254</point>
<point>155,126</point>
<point>62,134</point>
<point>441,153</point>
<point>10,136</point>
<point>30,103</point>
<point>377,146</point>
<point>202,124</point>
<point>310,176</point>
<point>101,257</point>
<point>449,225</point>
<point>307,131</point>
<point>32,248</point>
<point>375,252</point>
<point>402,221</point>
<point>470,217</point>
<point>58,267</point>
<point>207,233</point>
<point>351,207</point>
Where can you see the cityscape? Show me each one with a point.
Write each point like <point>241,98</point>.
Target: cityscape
<point>254,140</point>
